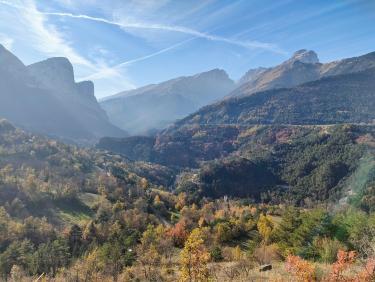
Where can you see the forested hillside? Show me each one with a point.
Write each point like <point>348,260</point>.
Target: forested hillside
<point>346,98</point>
<point>39,174</point>
<point>300,145</point>
<point>300,165</point>
<point>72,214</point>
<point>277,163</point>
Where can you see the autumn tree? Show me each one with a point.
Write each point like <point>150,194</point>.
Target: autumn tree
<point>303,270</point>
<point>89,266</point>
<point>194,258</point>
<point>340,271</point>
<point>368,272</point>
<point>178,233</point>
<point>223,232</point>
<point>265,227</point>
<point>149,259</point>
<point>148,256</point>
<point>344,260</point>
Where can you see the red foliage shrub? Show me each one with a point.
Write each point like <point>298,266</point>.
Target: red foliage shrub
<point>178,233</point>
<point>302,269</point>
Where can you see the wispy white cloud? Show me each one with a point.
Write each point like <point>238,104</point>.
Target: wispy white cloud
<point>172,28</point>
<point>43,36</point>
<point>46,39</point>
<point>114,72</point>
<point>181,29</point>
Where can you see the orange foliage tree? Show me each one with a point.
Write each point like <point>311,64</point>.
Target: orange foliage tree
<point>178,233</point>
<point>302,269</point>
<point>344,260</point>
<point>340,272</point>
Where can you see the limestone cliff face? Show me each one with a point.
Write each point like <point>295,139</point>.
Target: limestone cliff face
<point>53,73</point>
<point>45,98</point>
<point>10,65</point>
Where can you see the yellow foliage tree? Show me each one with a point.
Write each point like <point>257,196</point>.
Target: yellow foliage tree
<point>265,227</point>
<point>181,201</point>
<point>194,258</point>
<point>144,183</point>
<point>157,201</point>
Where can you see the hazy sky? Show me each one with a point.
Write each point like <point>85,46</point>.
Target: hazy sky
<point>122,44</point>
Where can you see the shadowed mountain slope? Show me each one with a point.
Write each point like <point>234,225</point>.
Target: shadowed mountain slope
<point>348,98</point>
<point>44,98</point>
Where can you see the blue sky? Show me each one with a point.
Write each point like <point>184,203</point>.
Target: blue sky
<point>123,44</point>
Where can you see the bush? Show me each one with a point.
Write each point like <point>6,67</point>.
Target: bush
<point>216,254</point>
<point>267,254</point>
<point>327,249</point>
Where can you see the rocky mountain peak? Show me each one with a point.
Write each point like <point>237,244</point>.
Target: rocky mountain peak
<point>44,98</point>
<point>53,72</point>
<point>305,56</point>
<point>9,62</point>
<point>213,74</point>
<point>251,75</point>
<point>86,89</point>
<point>302,67</point>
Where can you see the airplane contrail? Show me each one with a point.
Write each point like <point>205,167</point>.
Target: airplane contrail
<point>154,54</point>
<point>132,61</point>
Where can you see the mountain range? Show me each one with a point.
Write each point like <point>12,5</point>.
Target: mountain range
<point>146,110</point>
<point>345,96</point>
<point>44,98</point>
<point>155,106</point>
